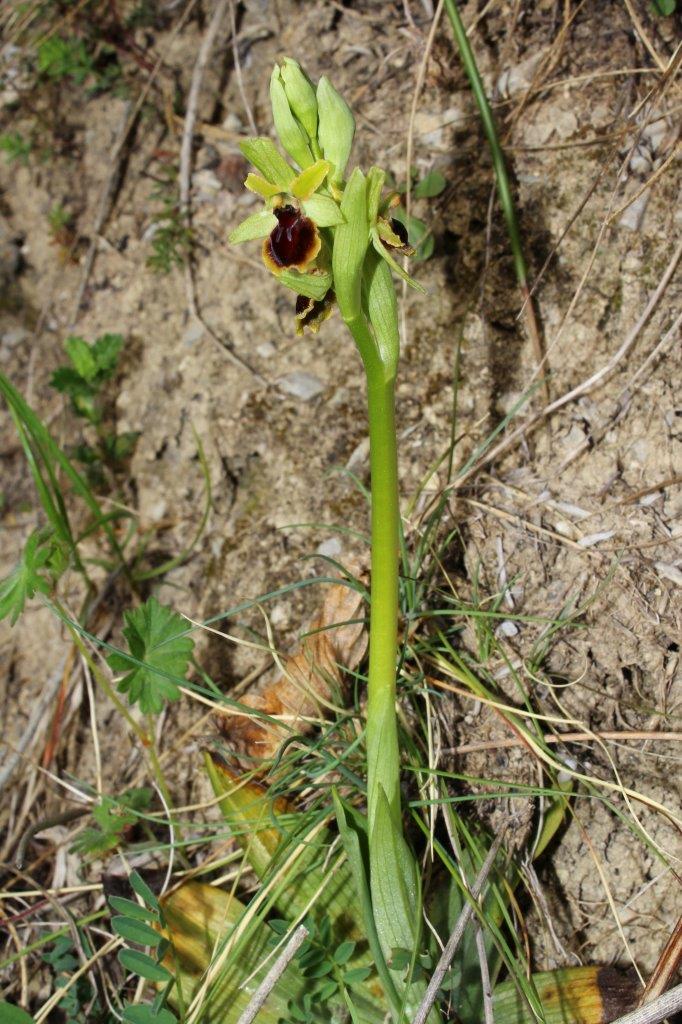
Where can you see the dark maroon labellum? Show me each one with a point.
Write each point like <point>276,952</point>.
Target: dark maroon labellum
<point>398,228</point>
<point>294,242</point>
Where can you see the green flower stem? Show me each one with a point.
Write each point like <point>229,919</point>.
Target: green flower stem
<point>383,761</point>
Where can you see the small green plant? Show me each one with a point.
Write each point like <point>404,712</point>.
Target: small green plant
<point>664,8</point>
<point>90,367</point>
<point>41,563</point>
<point>58,58</point>
<point>114,817</point>
<point>172,236</point>
<point>143,923</point>
<point>94,65</point>
<point>15,147</point>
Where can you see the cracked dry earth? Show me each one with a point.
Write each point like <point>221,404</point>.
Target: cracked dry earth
<point>582,510</point>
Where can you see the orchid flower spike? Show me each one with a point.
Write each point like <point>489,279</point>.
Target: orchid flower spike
<point>304,205</point>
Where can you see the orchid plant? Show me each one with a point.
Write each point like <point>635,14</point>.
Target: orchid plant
<point>331,240</point>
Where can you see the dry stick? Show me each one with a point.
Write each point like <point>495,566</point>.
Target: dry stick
<point>667,967</point>
<point>657,1010</point>
<point>200,66</point>
<point>456,937</point>
<point>274,974</point>
<point>571,737</point>
<point>586,386</point>
<point>486,987</point>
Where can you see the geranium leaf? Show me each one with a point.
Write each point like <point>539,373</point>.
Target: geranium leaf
<point>158,637</point>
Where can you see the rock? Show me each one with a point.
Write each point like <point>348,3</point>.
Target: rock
<point>301,385</point>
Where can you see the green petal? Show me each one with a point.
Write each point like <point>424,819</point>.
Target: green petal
<point>261,187</point>
<point>308,181</point>
<point>323,210</point>
<point>258,225</point>
<point>265,156</point>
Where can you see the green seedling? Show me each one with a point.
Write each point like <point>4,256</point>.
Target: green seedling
<point>16,148</point>
<point>172,236</point>
<point>90,367</point>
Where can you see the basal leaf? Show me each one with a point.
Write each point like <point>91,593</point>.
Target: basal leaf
<point>157,636</point>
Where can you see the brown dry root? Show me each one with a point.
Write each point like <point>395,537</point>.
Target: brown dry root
<point>312,678</point>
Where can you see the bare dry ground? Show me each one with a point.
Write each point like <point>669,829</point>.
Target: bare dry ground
<point>581,507</point>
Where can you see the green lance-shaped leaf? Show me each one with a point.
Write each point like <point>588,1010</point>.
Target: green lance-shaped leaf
<point>11,1014</point>
<point>266,158</point>
<point>291,135</point>
<point>350,247</point>
<point>200,919</point>
<point>382,310</point>
<point>336,127</point>
<point>301,95</point>
<point>273,834</point>
<point>353,831</point>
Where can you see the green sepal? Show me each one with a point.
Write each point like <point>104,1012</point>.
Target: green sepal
<point>312,285</point>
<point>258,225</point>
<point>350,247</point>
<point>395,267</point>
<point>336,127</point>
<point>323,211</point>
<point>290,133</point>
<point>266,158</point>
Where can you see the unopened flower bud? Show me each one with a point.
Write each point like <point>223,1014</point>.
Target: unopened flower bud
<point>336,127</point>
<point>291,135</point>
<point>301,95</point>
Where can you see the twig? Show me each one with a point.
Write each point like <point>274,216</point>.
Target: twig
<point>455,938</point>
<point>238,69</point>
<point>274,974</point>
<point>657,1010</point>
<point>486,987</point>
<point>185,174</point>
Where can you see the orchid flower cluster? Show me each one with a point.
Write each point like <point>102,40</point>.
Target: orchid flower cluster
<point>306,204</point>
